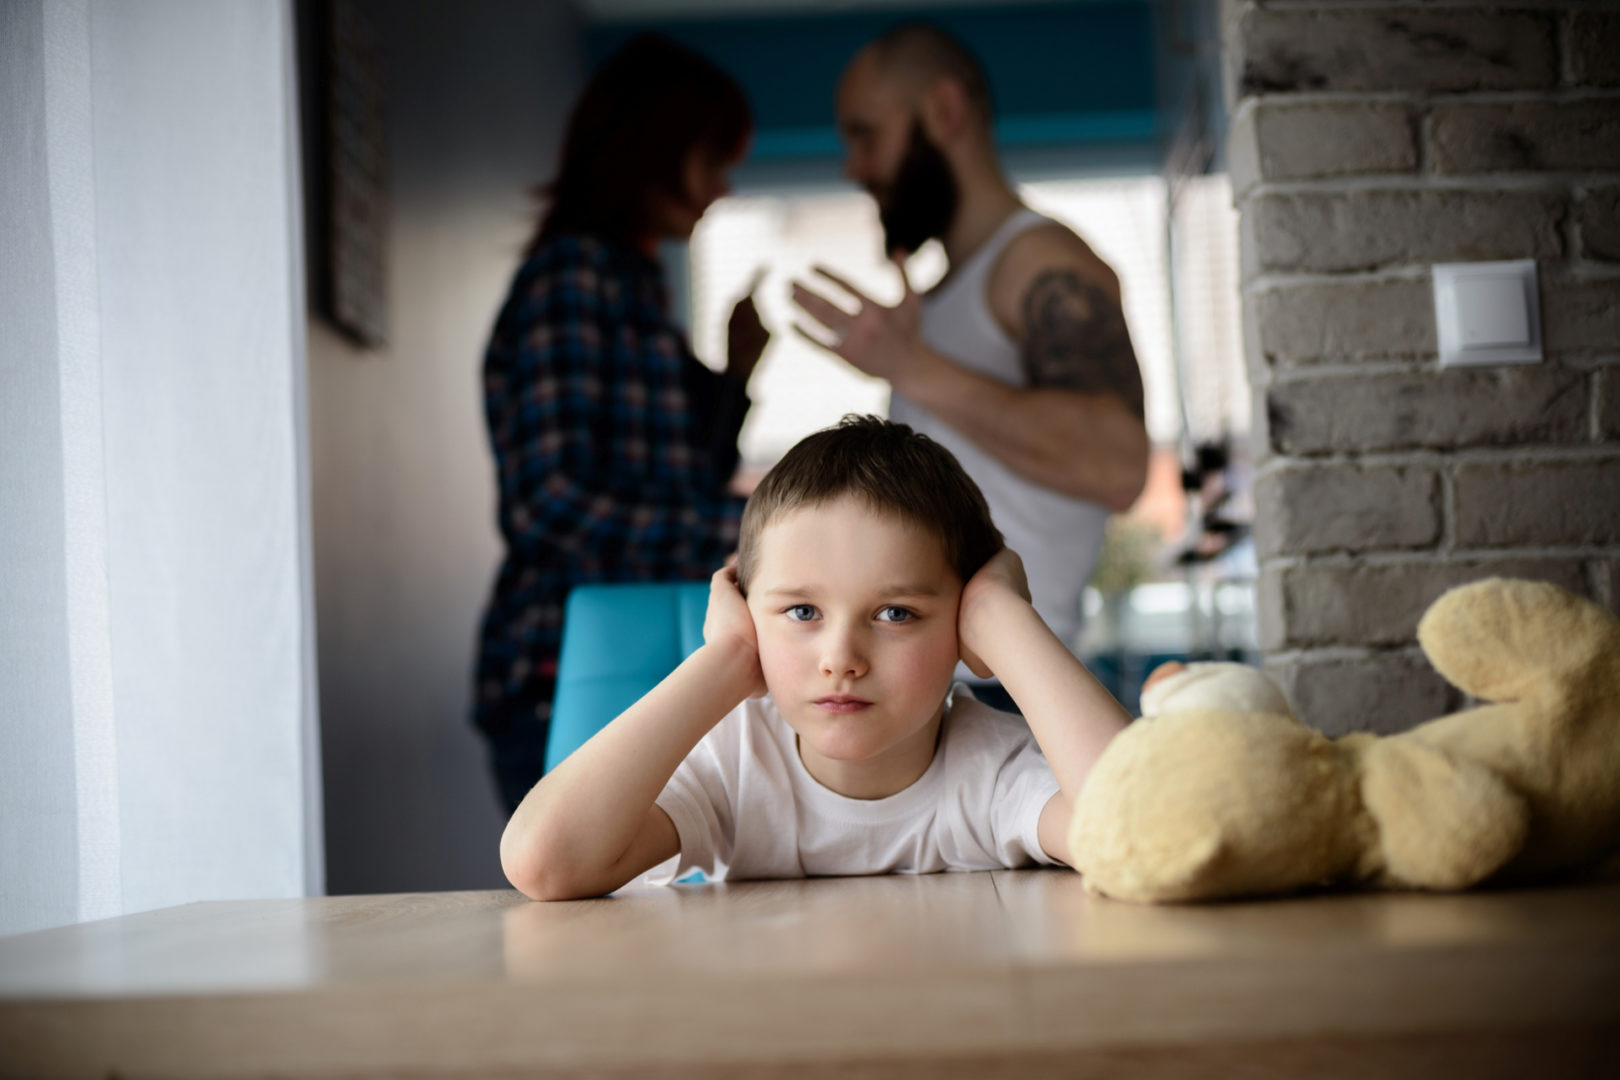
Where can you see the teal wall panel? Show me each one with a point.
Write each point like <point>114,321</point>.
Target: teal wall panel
<point>1063,75</point>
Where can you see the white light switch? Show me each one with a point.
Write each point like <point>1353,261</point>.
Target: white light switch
<point>1487,313</point>
<point>1491,311</point>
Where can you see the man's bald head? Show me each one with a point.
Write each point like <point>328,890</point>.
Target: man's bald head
<point>913,56</point>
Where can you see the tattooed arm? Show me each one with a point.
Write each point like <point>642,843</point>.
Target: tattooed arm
<point>1074,337</point>
<point>1077,427</point>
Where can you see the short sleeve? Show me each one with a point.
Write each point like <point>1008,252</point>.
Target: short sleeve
<point>698,800</point>
<point>1023,787</point>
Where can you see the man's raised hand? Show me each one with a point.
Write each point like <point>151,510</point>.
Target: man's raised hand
<point>885,342</point>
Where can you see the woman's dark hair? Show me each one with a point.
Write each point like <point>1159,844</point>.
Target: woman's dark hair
<point>647,107</point>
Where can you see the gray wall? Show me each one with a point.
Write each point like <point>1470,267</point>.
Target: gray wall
<point>1368,143</point>
<point>156,699</point>
<point>404,512</point>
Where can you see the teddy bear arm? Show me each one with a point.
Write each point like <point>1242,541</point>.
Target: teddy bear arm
<point>1441,822</point>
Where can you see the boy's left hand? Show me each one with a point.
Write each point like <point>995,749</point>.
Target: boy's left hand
<point>1001,577</point>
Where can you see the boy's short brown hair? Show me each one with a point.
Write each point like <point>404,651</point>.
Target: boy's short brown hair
<point>894,470</point>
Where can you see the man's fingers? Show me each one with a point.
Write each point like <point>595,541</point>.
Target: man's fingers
<point>822,310</point>
<point>899,258</point>
<point>841,283</point>
<point>830,346</point>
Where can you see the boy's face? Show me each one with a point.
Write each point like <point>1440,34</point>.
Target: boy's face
<point>856,620</point>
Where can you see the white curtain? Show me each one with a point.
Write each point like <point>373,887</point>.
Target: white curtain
<point>157,714</point>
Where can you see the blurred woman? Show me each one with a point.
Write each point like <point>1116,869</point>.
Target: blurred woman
<point>613,444</point>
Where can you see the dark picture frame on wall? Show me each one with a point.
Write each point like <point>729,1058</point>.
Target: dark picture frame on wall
<point>347,179</point>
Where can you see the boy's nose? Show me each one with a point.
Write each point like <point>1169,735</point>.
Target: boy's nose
<point>842,657</point>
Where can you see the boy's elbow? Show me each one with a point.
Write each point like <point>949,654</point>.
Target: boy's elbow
<point>526,875</point>
<point>538,872</point>
<point>538,880</point>
<point>526,865</point>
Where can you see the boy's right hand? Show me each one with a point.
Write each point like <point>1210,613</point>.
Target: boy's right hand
<point>728,625</point>
<point>1000,579</point>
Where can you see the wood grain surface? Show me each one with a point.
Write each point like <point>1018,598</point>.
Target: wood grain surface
<point>1014,973</point>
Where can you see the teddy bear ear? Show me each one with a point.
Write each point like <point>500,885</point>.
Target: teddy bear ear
<point>1443,822</point>
<point>1502,639</point>
<point>1233,687</point>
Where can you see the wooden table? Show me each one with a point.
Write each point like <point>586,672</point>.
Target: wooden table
<point>952,975</point>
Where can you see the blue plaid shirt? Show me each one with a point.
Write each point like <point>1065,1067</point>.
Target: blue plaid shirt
<point>613,445</point>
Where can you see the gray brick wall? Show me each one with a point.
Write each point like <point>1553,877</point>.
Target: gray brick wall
<point>1369,140</point>
<point>1598,211</point>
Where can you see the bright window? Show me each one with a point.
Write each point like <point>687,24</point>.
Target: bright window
<point>800,388</point>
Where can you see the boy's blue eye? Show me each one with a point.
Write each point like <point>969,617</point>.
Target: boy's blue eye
<point>801,612</point>
<point>895,614</point>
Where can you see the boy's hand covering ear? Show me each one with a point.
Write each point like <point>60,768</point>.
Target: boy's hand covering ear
<point>1003,574</point>
<point>728,624</point>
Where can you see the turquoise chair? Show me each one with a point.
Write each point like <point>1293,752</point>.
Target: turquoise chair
<point>619,641</point>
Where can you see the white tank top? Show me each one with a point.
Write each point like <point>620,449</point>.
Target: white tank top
<point>1057,536</point>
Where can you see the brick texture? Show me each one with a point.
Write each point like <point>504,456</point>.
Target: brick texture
<point>1276,142</point>
<point>1538,502</point>
<point>1580,315</point>
<point>1525,137</point>
<point>1317,605</point>
<point>1384,694</point>
<point>1379,137</point>
<point>1297,51</point>
<point>1348,508</point>
<point>1345,321</point>
<point>1599,216</point>
<point>1608,413</point>
<point>1594,48</point>
<point>1368,230</point>
<point>1439,410</point>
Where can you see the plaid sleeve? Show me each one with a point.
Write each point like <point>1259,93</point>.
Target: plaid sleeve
<point>598,450</point>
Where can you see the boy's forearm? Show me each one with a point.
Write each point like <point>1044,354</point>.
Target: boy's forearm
<point>585,814</point>
<point>1070,713</point>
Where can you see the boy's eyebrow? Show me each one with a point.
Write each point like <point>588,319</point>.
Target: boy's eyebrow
<point>921,589</point>
<point>918,589</point>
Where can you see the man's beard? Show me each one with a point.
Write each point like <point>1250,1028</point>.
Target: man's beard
<point>921,200</point>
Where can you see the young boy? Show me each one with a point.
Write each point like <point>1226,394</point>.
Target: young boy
<point>816,730</point>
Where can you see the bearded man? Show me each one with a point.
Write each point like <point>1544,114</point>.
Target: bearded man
<point>1019,360</point>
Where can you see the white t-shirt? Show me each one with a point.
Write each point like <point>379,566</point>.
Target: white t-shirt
<point>746,807</point>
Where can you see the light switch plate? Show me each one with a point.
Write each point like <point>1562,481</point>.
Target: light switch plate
<point>1487,313</point>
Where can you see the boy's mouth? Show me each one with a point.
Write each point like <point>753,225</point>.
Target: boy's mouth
<point>841,703</point>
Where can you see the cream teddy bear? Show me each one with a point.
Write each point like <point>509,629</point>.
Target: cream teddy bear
<point>1220,791</point>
